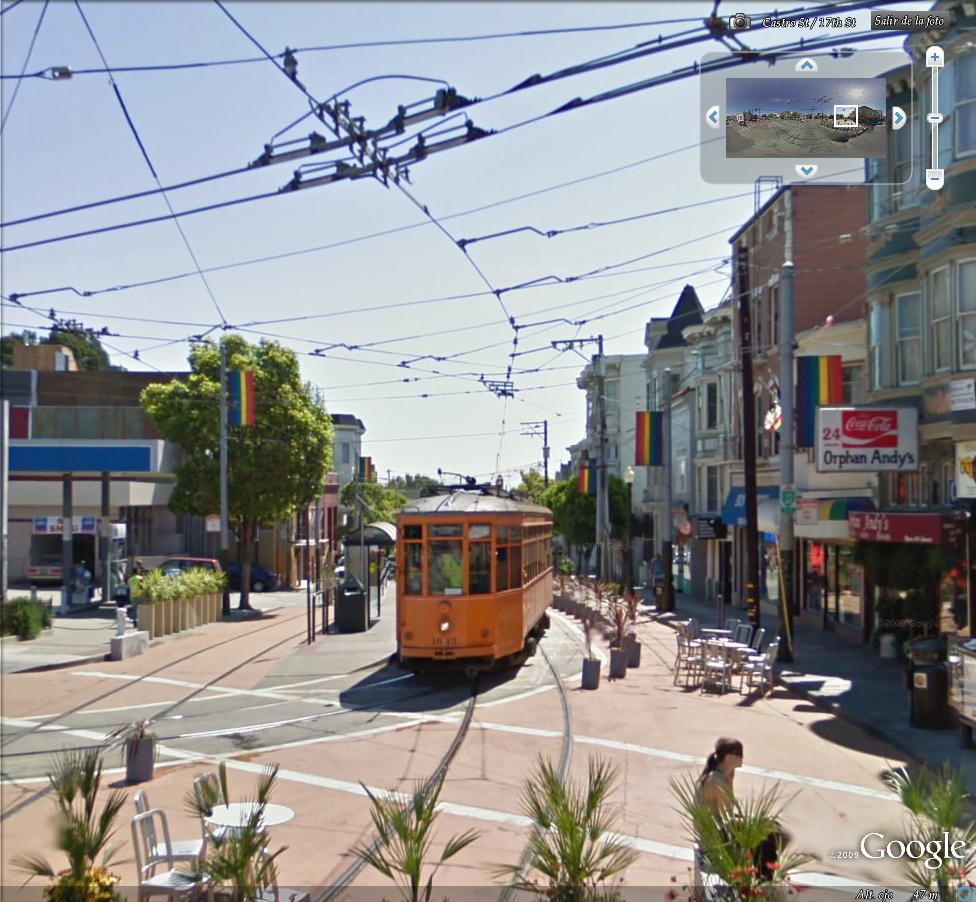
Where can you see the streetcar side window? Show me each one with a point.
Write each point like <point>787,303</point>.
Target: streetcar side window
<point>444,567</point>
<point>414,568</point>
<point>515,566</point>
<point>479,568</point>
<point>413,531</point>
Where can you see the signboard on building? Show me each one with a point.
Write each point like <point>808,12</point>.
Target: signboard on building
<point>212,522</point>
<point>55,525</point>
<point>965,470</point>
<point>710,528</point>
<point>867,439</point>
<point>787,500</point>
<point>807,512</point>
<point>914,529</point>
<point>962,394</point>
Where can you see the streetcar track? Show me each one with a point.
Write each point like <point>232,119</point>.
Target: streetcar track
<point>349,873</point>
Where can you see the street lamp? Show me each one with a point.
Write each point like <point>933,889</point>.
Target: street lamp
<point>628,551</point>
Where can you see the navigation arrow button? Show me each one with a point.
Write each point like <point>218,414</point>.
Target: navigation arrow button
<point>713,117</point>
<point>806,65</point>
<point>898,117</point>
<point>806,170</point>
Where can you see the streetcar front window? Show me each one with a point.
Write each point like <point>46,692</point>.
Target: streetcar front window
<point>414,568</point>
<point>444,568</point>
<point>479,568</point>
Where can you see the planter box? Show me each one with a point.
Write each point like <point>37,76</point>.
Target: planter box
<point>633,648</point>
<point>591,673</point>
<point>144,617</point>
<point>140,756</point>
<point>618,663</point>
<point>157,619</point>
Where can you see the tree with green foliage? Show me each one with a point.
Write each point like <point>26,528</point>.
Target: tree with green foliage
<point>380,503</point>
<point>83,343</point>
<point>533,486</point>
<point>274,467</point>
<point>574,513</point>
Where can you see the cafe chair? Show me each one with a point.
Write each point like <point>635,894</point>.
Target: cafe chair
<point>743,633</point>
<point>190,850</point>
<point>689,658</point>
<point>732,625</point>
<point>717,667</point>
<point>151,854</point>
<point>759,668</point>
<point>206,785</point>
<point>757,639</point>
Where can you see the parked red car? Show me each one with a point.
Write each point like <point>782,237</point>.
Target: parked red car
<point>174,565</point>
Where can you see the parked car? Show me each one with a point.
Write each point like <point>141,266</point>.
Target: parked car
<point>46,570</point>
<point>174,565</point>
<point>262,580</point>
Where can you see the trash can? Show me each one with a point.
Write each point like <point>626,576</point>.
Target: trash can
<point>928,683</point>
<point>352,611</point>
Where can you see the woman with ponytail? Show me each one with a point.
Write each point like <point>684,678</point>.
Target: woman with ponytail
<point>717,780</point>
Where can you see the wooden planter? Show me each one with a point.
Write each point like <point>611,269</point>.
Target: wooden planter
<point>157,619</point>
<point>144,617</point>
<point>591,673</point>
<point>633,648</point>
<point>140,756</point>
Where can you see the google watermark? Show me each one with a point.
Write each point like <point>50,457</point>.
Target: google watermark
<point>932,854</point>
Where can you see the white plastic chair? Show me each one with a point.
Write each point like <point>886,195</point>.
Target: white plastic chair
<point>190,850</point>
<point>151,854</point>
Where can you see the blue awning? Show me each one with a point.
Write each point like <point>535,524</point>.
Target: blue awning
<point>734,509</point>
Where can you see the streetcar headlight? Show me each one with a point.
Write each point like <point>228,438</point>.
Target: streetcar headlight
<point>445,625</point>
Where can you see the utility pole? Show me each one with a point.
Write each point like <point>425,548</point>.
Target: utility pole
<point>224,541</point>
<point>751,581</point>
<point>4,502</point>
<point>544,426</point>
<point>603,483</point>
<point>786,543</point>
<point>667,515</point>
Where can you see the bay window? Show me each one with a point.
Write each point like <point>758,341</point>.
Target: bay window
<point>940,310</point>
<point>967,313</point>
<point>909,337</point>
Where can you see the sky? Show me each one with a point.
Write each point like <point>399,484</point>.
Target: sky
<point>802,96</point>
<point>391,318</point>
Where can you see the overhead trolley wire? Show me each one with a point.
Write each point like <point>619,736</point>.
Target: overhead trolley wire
<point>30,50</point>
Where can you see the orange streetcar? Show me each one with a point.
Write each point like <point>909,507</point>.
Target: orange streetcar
<point>474,579</point>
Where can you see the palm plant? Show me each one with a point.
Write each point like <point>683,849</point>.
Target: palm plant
<point>935,805</point>
<point>572,850</point>
<point>405,836</point>
<point>238,858</point>
<point>83,834</point>
<point>729,845</point>
<point>618,617</point>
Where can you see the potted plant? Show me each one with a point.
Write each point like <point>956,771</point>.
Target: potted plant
<point>573,851</point>
<point>618,654</point>
<point>238,859</point>
<point>404,830</point>
<point>591,664</point>
<point>82,833</point>
<point>729,845</point>
<point>631,642</point>
<point>935,805</point>
<point>138,750</point>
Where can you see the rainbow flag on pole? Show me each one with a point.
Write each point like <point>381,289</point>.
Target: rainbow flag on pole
<point>240,388</point>
<point>586,481</point>
<point>649,439</point>
<point>819,383</point>
<point>366,471</point>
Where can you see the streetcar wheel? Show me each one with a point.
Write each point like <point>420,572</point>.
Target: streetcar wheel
<point>470,672</point>
<point>530,646</point>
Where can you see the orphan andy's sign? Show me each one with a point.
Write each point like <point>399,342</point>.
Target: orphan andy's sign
<point>867,439</point>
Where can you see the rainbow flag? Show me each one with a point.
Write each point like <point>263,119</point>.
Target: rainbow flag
<point>819,383</point>
<point>240,387</point>
<point>586,481</point>
<point>649,439</point>
<point>366,471</point>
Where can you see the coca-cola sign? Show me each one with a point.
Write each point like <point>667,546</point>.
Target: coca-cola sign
<point>869,428</point>
<point>867,439</point>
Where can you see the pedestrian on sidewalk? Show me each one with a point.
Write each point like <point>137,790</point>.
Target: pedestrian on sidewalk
<point>717,787</point>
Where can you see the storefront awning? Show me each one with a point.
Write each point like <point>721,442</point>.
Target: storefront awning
<point>914,529</point>
<point>839,508</point>
<point>826,518</point>
<point>734,509</point>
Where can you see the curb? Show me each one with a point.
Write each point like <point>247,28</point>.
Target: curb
<point>62,665</point>
<point>828,707</point>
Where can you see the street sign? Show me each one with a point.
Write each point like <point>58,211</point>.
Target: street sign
<point>787,500</point>
<point>710,528</point>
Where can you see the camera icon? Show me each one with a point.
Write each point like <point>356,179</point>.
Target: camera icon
<point>740,22</point>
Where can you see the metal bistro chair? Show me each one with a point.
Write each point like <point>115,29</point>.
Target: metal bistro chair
<point>757,639</point>
<point>732,624</point>
<point>760,667</point>
<point>171,882</point>
<point>190,850</point>
<point>743,633</point>
<point>717,667</point>
<point>689,659</point>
